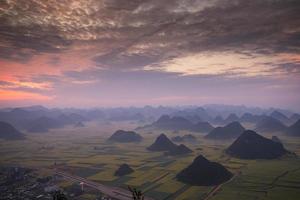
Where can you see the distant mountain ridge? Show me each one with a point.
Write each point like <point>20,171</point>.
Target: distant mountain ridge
<point>184,138</point>
<point>279,116</point>
<point>166,122</point>
<point>270,124</point>
<point>39,119</point>
<point>250,118</point>
<point>230,131</point>
<point>232,118</point>
<point>43,124</point>
<point>22,117</point>
<point>294,129</point>
<point>295,117</point>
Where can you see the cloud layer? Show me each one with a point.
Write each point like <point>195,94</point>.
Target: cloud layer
<point>48,47</point>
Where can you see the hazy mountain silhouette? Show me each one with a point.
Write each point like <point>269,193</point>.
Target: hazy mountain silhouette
<point>204,173</point>
<point>295,117</point>
<point>9,132</point>
<point>251,145</point>
<point>294,130</point>
<point>16,117</point>
<point>230,131</point>
<point>188,137</point>
<point>185,138</point>
<point>218,120</point>
<point>64,119</point>
<point>166,122</point>
<point>270,124</point>
<point>43,124</point>
<point>22,116</point>
<point>248,117</point>
<point>124,169</point>
<point>203,127</point>
<point>179,150</point>
<point>79,125</point>
<point>162,143</point>
<point>19,112</point>
<point>125,136</point>
<point>35,108</point>
<point>202,113</point>
<point>75,118</point>
<point>39,118</point>
<point>172,123</point>
<point>67,119</point>
<point>191,116</point>
<point>127,116</point>
<point>231,118</point>
<point>279,116</point>
<point>177,139</point>
<point>95,114</point>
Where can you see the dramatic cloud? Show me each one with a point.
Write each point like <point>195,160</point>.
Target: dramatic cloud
<point>56,48</point>
<point>230,64</point>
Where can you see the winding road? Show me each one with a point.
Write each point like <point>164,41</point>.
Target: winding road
<point>113,192</point>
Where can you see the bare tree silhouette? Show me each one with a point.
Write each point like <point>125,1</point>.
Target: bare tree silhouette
<point>136,194</point>
<point>58,195</point>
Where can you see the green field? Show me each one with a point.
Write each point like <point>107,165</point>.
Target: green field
<point>86,153</point>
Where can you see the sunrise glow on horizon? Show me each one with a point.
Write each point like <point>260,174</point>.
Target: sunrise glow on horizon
<point>108,53</point>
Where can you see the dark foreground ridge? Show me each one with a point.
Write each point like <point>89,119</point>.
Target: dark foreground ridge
<point>204,173</point>
<point>9,132</point>
<point>251,145</point>
<point>125,136</point>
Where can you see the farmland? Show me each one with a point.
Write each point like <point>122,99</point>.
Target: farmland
<point>85,152</point>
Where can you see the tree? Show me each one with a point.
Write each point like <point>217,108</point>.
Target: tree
<point>136,194</point>
<point>58,195</point>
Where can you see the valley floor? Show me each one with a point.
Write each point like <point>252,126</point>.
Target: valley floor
<point>84,152</point>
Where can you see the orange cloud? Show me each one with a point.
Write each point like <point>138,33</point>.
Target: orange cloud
<point>42,64</point>
<point>30,85</point>
<point>6,95</point>
<point>292,57</point>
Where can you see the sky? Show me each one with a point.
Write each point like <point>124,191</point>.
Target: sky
<point>108,53</point>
